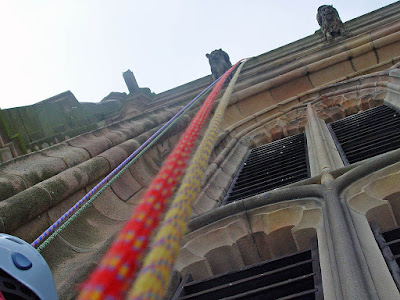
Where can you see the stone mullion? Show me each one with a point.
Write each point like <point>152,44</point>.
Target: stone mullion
<point>353,281</point>
<point>349,277</point>
<point>393,89</point>
<point>323,154</point>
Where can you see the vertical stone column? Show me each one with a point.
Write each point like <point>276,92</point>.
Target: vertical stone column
<point>323,154</point>
<point>354,281</point>
<point>393,93</point>
<point>130,81</point>
<point>349,278</point>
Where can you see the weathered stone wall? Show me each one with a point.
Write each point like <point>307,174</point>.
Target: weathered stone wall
<point>56,119</point>
<point>270,102</point>
<point>11,145</point>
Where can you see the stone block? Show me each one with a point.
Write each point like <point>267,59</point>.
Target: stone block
<point>222,138</point>
<point>141,172</point>
<point>129,146</point>
<point>394,201</point>
<point>251,105</point>
<point>384,186</point>
<point>291,88</point>
<point>222,148</point>
<point>55,212</point>
<point>10,185</point>
<point>72,156</point>
<point>210,171</point>
<point>364,61</point>
<point>331,73</point>
<point>287,105</point>
<point>282,242</point>
<point>109,205</point>
<point>22,207</point>
<point>231,116</point>
<point>200,269</point>
<point>231,166</point>
<point>115,156</point>
<point>93,144</point>
<point>90,230</point>
<point>33,228</point>
<point>125,132</point>
<point>248,250</point>
<point>214,191</point>
<point>5,154</point>
<point>203,204</point>
<point>128,127</point>
<point>153,159</point>
<point>307,228</point>
<point>135,199</point>
<point>222,179</point>
<point>241,128</point>
<point>224,259</point>
<point>139,126</point>
<point>164,147</point>
<point>64,184</point>
<point>34,167</point>
<point>361,49</point>
<point>96,168</point>
<point>263,245</point>
<point>388,52</point>
<point>159,118</point>
<point>125,186</point>
<point>145,136</point>
<point>115,137</point>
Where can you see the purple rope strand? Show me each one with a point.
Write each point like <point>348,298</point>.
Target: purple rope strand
<point>66,215</point>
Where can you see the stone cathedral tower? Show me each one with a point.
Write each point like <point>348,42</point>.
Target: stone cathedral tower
<point>301,199</point>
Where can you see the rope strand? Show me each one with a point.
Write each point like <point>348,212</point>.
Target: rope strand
<point>56,228</point>
<point>152,280</point>
<point>114,275</point>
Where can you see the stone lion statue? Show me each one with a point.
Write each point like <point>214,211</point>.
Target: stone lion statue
<point>219,63</point>
<point>330,23</point>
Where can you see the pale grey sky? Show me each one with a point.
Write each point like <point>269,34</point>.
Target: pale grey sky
<point>50,46</point>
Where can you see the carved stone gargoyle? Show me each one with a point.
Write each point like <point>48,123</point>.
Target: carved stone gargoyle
<point>219,63</point>
<point>330,23</point>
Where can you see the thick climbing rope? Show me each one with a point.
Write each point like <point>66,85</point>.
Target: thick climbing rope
<point>115,273</point>
<point>152,280</point>
<point>66,219</point>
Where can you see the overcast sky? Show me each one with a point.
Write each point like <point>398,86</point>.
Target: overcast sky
<point>50,46</point>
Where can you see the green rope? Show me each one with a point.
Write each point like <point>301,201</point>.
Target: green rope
<point>89,202</point>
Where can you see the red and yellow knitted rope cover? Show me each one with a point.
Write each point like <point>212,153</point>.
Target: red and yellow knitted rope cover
<point>113,276</point>
<point>152,280</point>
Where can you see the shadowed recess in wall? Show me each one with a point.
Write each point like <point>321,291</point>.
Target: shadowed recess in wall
<point>271,166</point>
<point>367,134</point>
<point>294,276</point>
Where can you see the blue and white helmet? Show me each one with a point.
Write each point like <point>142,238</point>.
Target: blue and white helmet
<point>24,274</point>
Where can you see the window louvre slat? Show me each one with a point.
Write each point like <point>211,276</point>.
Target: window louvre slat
<point>383,240</point>
<point>271,166</point>
<point>367,134</point>
<point>293,276</point>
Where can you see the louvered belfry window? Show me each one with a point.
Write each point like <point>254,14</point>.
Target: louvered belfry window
<point>389,244</point>
<point>271,166</point>
<point>295,276</point>
<point>367,134</point>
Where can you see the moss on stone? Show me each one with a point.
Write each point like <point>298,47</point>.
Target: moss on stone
<point>95,168</point>
<point>57,189</point>
<point>10,185</point>
<point>22,207</point>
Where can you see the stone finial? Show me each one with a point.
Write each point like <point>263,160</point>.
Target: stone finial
<point>130,81</point>
<point>330,23</point>
<point>219,63</point>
